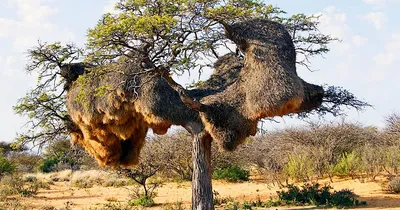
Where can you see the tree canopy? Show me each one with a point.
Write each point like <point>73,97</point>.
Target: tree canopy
<point>173,37</point>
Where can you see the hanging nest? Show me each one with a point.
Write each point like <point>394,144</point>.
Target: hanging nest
<point>113,107</point>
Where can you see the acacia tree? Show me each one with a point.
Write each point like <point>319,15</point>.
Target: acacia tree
<point>130,58</point>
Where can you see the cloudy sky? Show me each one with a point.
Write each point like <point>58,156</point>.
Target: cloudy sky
<point>366,61</point>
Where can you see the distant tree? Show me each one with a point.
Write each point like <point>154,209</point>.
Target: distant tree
<point>25,161</point>
<point>6,166</point>
<point>175,153</point>
<point>66,156</point>
<point>8,148</point>
<point>393,123</point>
<point>143,174</point>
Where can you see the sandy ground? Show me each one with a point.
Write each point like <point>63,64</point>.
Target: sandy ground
<point>61,194</point>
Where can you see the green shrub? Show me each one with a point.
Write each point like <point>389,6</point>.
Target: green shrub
<point>316,195</point>
<point>344,197</point>
<point>299,168</point>
<point>308,194</point>
<point>347,165</point>
<point>232,205</point>
<point>143,200</point>
<point>232,174</point>
<point>394,185</point>
<point>6,167</point>
<point>48,165</point>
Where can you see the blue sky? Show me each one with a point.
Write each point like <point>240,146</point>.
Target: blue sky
<point>366,61</point>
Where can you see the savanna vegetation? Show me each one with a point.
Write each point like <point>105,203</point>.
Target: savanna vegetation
<point>111,93</point>
<point>295,159</point>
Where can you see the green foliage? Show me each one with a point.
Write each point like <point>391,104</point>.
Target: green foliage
<point>316,195</point>
<point>175,36</point>
<point>230,203</point>
<point>48,165</point>
<point>143,200</point>
<point>61,155</point>
<point>178,43</point>
<point>299,167</point>
<point>307,194</point>
<point>348,164</point>
<point>343,198</point>
<point>231,174</point>
<point>44,105</point>
<point>6,167</point>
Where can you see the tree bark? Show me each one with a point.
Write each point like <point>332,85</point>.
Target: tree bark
<point>202,194</point>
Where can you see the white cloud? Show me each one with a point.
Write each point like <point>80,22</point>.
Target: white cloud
<point>378,19</point>
<point>391,53</point>
<point>33,23</point>
<point>359,41</point>
<point>333,22</point>
<point>32,10</point>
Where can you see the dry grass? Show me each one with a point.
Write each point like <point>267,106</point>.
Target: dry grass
<point>111,199</point>
<point>61,176</point>
<point>81,179</point>
<point>99,197</point>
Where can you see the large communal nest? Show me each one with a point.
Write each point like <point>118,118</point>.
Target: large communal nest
<point>114,106</point>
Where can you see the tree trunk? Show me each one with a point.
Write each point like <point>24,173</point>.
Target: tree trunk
<point>202,194</point>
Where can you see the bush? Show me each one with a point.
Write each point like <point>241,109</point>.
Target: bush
<point>110,206</point>
<point>231,174</point>
<point>143,200</point>
<point>12,204</point>
<point>316,195</point>
<point>344,197</point>
<point>48,165</point>
<point>30,179</point>
<point>6,167</point>
<point>218,200</point>
<point>116,182</point>
<point>308,194</point>
<point>25,162</point>
<point>348,164</point>
<point>12,185</point>
<point>82,182</point>
<point>299,168</point>
<point>394,185</point>
<point>176,206</point>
